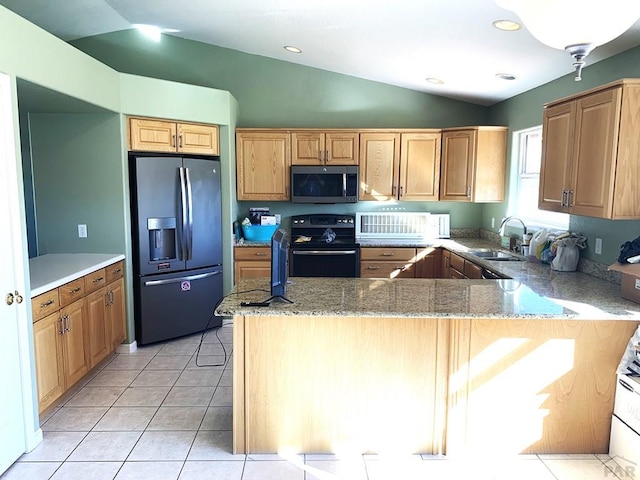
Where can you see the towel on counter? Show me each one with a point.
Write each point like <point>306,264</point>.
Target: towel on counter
<point>629,249</point>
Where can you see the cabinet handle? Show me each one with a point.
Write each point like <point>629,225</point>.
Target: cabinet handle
<point>320,156</point>
<point>47,304</point>
<point>393,190</point>
<point>563,201</point>
<point>570,198</point>
<point>99,279</point>
<point>66,323</point>
<point>327,156</point>
<point>75,290</point>
<point>60,328</point>
<point>401,190</point>
<point>468,191</point>
<point>261,254</point>
<point>386,254</point>
<point>180,138</point>
<point>173,140</point>
<point>117,270</point>
<point>373,268</point>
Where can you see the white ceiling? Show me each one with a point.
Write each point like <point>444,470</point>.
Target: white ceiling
<point>399,42</point>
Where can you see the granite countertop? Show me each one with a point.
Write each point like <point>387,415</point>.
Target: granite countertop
<point>533,290</point>
<point>55,269</point>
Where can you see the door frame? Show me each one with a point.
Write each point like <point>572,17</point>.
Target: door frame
<point>10,150</point>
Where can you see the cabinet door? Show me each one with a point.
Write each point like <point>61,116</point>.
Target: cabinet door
<point>458,154</point>
<point>252,269</point>
<point>98,330</point>
<point>471,270</point>
<point>597,128</point>
<point>307,148</point>
<point>428,264</point>
<point>47,339</point>
<point>342,148</point>
<point>263,161</point>
<point>152,135</point>
<point>420,166</point>
<point>446,264</point>
<point>379,158</point>
<point>557,149</point>
<point>76,361</point>
<point>198,139</point>
<point>116,318</point>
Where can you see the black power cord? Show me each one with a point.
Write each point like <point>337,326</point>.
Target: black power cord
<point>208,328</point>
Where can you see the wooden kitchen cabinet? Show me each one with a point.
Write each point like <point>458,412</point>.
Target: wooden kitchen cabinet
<point>473,164</point>
<point>590,149</point>
<point>446,263</point>
<point>153,135</point>
<point>428,262</point>
<point>376,262</point>
<point>263,159</point>
<point>87,322</point>
<point>252,262</point>
<point>459,267</point>
<point>325,148</point>
<point>400,166</point>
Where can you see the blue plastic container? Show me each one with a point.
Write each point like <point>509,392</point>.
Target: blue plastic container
<point>259,233</point>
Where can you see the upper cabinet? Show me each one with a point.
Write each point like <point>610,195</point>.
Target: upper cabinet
<point>473,164</point>
<point>400,166</point>
<point>324,148</point>
<point>263,159</point>
<point>151,135</point>
<point>590,150</point>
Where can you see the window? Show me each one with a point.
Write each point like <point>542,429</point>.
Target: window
<point>529,154</point>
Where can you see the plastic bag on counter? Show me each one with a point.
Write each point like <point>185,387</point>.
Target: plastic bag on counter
<point>629,249</point>
<point>567,253</point>
<point>630,363</point>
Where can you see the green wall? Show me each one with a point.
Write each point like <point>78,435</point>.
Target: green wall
<point>77,177</point>
<point>525,110</point>
<point>274,93</point>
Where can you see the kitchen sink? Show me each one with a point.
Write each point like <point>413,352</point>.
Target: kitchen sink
<point>496,255</point>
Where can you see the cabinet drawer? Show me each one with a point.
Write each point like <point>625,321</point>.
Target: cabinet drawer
<point>387,270</point>
<point>45,304</point>
<point>115,271</point>
<point>457,262</point>
<point>71,291</point>
<point>456,274</point>
<point>252,253</point>
<point>390,254</point>
<point>95,280</point>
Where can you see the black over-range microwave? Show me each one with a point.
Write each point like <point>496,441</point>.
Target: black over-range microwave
<point>324,184</point>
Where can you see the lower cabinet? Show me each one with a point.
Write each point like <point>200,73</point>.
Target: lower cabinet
<point>376,262</point>
<point>252,262</point>
<point>85,328</point>
<point>458,267</point>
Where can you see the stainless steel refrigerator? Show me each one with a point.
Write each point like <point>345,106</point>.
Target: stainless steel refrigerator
<point>177,244</point>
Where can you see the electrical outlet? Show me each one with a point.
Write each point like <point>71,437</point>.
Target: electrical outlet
<point>82,230</point>
<point>598,248</point>
<point>493,222</point>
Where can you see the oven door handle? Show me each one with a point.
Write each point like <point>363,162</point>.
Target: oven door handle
<point>323,252</point>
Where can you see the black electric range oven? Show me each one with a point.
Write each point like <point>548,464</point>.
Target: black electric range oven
<point>323,245</point>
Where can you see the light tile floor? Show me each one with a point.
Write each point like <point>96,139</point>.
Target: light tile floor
<point>154,414</point>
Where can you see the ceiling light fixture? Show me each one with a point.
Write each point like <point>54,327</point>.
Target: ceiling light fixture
<point>291,49</point>
<point>506,25</point>
<point>505,76</point>
<point>152,31</point>
<point>435,81</point>
<point>575,26</point>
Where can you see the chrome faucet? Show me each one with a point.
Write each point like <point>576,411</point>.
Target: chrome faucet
<point>507,220</point>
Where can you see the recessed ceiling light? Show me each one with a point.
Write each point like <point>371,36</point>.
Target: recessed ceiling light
<point>505,76</point>
<point>506,25</point>
<point>291,49</point>
<point>435,81</point>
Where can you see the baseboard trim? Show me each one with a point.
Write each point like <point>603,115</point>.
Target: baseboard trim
<point>127,347</point>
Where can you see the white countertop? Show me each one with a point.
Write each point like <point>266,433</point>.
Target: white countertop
<point>52,270</point>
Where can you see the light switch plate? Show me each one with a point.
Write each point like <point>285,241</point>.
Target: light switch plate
<point>598,247</point>
<point>82,231</point>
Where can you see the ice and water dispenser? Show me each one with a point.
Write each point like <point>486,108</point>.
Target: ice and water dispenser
<point>162,239</point>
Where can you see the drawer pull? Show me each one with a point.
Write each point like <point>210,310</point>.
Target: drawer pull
<point>117,270</point>
<point>385,254</point>
<point>47,304</point>
<point>373,268</point>
<point>75,290</point>
<point>261,254</point>
<point>60,329</point>
<point>99,279</point>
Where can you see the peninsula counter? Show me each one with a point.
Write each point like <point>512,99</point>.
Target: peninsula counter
<point>422,366</point>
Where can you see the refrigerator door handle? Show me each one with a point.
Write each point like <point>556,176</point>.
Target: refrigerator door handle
<point>200,276</point>
<point>184,213</point>
<point>189,216</point>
